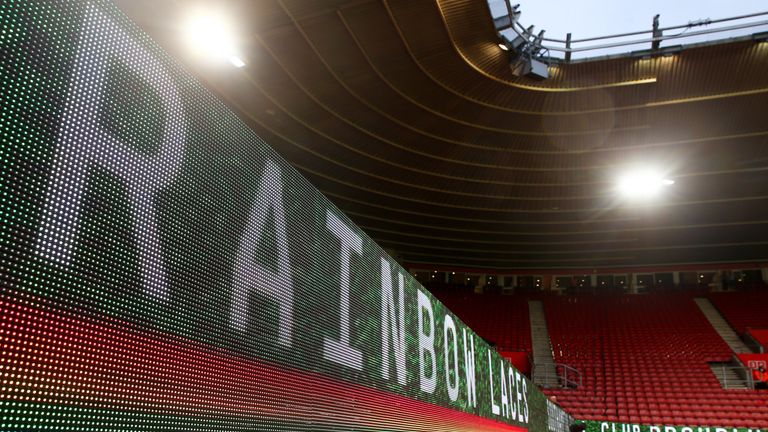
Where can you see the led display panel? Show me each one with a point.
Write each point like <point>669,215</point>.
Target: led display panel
<point>164,269</point>
<point>603,426</point>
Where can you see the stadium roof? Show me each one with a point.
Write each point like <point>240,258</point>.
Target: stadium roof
<point>407,116</point>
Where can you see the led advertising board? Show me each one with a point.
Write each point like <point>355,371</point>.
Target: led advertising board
<point>164,269</point>
<point>598,426</point>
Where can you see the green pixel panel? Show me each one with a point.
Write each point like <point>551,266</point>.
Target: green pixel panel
<point>164,269</point>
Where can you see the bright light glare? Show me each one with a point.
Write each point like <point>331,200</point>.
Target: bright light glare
<point>210,35</point>
<point>503,46</point>
<point>236,61</point>
<point>642,184</point>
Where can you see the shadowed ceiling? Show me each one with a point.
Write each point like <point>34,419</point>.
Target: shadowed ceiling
<point>406,115</point>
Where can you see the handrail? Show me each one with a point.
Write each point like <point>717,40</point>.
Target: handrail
<point>690,24</point>
<point>747,381</point>
<point>569,378</point>
<point>511,22</point>
<point>662,38</point>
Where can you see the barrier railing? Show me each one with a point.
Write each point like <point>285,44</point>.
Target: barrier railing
<point>559,375</point>
<point>743,377</point>
<point>652,37</point>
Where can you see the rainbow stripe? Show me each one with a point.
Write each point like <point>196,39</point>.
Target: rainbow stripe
<point>69,372</point>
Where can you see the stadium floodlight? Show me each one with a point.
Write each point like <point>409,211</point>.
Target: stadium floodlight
<point>642,183</point>
<point>236,61</point>
<point>530,67</point>
<point>760,37</point>
<point>210,35</point>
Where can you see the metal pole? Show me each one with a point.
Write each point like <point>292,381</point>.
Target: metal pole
<point>566,376</point>
<point>568,48</point>
<point>656,33</point>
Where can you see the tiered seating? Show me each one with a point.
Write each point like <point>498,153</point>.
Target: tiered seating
<point>501,319</point>
<point>743,309</point>
<point>644,360</point>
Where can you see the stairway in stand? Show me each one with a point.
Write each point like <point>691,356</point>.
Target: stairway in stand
<point>728,377</point>
<point>721,326</point>
<point>545,372</point>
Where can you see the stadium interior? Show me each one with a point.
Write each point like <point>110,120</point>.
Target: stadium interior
<point>408,116</point>
<point>510,197</point>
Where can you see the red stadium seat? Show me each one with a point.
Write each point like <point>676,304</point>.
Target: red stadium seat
<point>652,352</point>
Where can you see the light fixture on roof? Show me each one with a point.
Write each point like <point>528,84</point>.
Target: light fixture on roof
<point>526,52</point>
<point>760,37</point>
<point>648,54</point>
<point>671,50</point>
<point>527,59</point>
<point>210,35</point>
<point>236,61</point>
<point>642,183</point>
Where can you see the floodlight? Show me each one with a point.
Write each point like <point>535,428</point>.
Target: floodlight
<point>210,35</point>
<point>236,61</point>
<point>642,183</point>
<point>760,37</point>
<point>530,67</point>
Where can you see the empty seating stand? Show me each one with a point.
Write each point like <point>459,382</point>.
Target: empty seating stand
<point>498,318</point>
<point>743,309</point>
<point>644,359</point>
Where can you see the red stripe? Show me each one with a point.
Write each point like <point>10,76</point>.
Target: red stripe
<point>53,357</point>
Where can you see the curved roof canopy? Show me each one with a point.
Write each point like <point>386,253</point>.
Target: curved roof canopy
<point>406,115</point>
